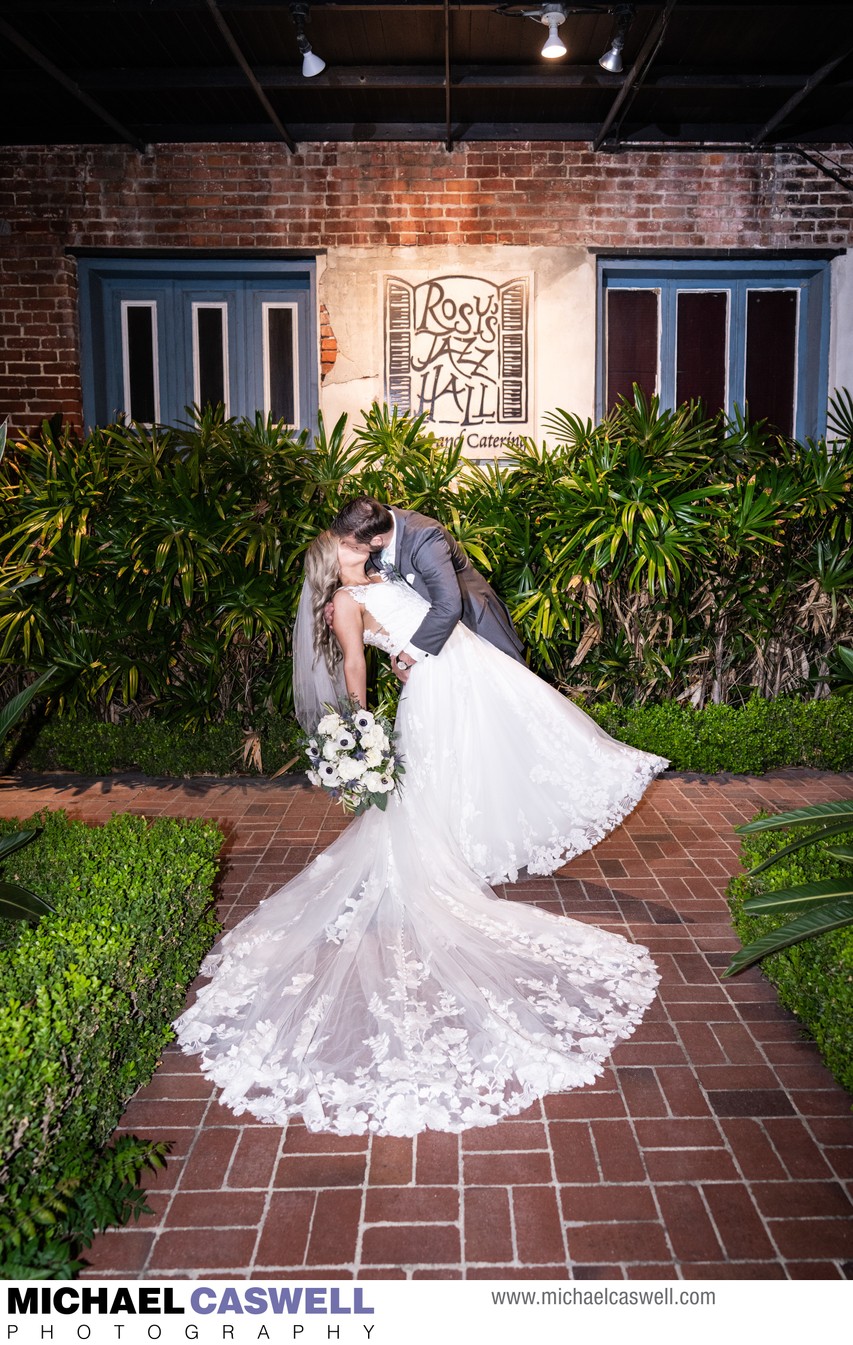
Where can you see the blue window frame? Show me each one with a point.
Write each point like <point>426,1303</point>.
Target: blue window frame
<point>159,334</point>
<point>766,328</point>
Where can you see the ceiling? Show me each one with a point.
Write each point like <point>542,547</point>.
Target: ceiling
<point>153,71</point>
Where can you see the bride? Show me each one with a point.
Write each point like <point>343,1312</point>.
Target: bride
<point>387,988</point>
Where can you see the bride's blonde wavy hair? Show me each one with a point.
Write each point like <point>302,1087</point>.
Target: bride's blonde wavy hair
<point>323,572</point>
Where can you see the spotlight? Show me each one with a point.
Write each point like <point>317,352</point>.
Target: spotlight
<point>312,64</point>
<point>612,58</point>
<point>553,16</point>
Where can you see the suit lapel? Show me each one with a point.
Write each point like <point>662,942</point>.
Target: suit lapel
<point>401,550</point>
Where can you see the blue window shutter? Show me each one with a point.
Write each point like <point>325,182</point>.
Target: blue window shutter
<point>811,277</point>
<point>175,284</point>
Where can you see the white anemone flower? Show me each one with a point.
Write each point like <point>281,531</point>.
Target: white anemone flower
<point>374,737</point>
<point>350,769</point>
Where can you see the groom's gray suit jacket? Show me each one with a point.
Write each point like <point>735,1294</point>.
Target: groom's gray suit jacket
<point>443,574</point>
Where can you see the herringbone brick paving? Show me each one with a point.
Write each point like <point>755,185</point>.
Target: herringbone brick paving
<point>715,1145</point>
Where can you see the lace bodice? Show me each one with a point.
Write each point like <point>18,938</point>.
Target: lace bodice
<point>397,608</point>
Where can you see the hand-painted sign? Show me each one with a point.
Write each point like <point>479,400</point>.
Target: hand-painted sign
<point>457,348</point>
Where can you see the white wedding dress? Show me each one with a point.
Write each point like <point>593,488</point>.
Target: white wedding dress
<point>387,988</point>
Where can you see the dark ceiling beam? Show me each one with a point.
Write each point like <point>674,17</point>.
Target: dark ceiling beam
<point>235,6</point>
<point>695,136</point>
<point>726,12</point>
<point>637,73</point>
<point>237,53</point>
<point>38,58</point>
<point>794,101</point>
<point>419,77</point>
<point>357,132</point>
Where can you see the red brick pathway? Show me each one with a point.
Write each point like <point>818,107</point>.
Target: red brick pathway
<point>716,1144</point>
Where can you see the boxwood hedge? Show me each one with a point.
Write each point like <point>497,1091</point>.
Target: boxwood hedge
<point>815,977</point>
<point>751,738</point>
<point>759,736</point>
<point>91,747</point>
<point>86,1000</point>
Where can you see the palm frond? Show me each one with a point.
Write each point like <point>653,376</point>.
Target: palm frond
<point>15,708</point>
<point>829,812</point>
<point>829,915</point>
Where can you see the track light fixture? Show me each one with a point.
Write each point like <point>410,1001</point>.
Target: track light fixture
<point>553,16</point>
<point>612,58</point>
<point>312,64</point>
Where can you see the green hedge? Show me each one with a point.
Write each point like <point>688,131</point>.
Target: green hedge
<point>658,555</point>
<point>94,748</point>
<point>751,738</point>
<point>87,997</point>
<point>815,977</point>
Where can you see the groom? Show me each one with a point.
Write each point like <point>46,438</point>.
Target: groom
<point>432,561</point>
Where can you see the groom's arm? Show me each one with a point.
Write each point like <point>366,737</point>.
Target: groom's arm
<point>433,562</point>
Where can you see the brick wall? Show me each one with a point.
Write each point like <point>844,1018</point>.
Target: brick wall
<point>251,196</point>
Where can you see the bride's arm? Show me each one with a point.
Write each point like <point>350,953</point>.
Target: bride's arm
<point>348,627</point>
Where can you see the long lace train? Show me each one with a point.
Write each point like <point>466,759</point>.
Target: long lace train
<point>386,988</point>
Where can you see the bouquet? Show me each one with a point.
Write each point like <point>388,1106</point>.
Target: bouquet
<point>351,754</point>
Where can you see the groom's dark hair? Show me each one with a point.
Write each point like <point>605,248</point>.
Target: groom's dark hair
<point>363,518</point>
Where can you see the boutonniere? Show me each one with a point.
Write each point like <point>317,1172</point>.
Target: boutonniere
<point>390,571</point>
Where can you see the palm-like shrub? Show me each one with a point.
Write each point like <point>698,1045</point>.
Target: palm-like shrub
<point>798,866</point>
<point>690,558</point>
<point>17,902</point>
<point>817,907</point>
<point>168,560</point>
<point>657,555</point>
